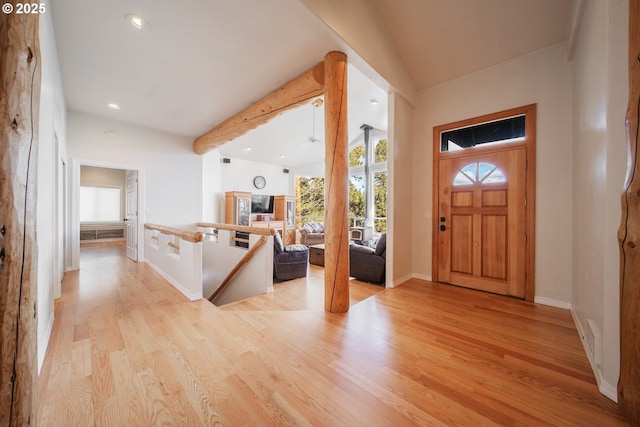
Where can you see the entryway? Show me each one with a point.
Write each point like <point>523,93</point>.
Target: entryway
<point>484,204</point>
<point>112,195</point>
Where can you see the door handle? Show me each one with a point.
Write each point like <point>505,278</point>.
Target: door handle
<point>443,227</point>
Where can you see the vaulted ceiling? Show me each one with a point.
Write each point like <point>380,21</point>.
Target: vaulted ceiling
<point>199,62</point>
<point>439,40</point>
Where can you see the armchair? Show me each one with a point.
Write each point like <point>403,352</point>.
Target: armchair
<point>289,262</point>
<point>368,264</point>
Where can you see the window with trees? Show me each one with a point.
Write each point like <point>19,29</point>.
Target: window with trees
<point>310,191</point>
<point>359,189</point>
<point>310,198</point>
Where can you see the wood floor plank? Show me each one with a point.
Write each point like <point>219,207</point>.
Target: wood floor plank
<point>126,407</point>
<point>127,349</point>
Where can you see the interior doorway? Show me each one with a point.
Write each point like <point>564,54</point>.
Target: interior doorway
<point>114,225</point>
<point>484,203</point>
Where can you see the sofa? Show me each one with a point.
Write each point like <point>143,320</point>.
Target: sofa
<point>312,233</point>
<point>368,264</point>
<point>289,262</point>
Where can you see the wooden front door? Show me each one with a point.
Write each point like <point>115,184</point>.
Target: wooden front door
<point>481,221</point>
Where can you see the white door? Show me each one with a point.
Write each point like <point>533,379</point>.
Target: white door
<point>131,214</point>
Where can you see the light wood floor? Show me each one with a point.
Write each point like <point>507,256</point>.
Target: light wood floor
<point>302,294</point>
<point>127,349</point>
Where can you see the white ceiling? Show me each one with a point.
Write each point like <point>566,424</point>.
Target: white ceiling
<point>440,40</point>
<point>204,60</point>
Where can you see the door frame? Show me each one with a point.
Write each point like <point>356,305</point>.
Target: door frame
<point>128,223</point>
<point>75,205</point>
<point>529,111</point>
<point>60,198</point>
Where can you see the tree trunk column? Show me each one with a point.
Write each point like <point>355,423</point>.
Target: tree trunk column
<point>336,212</point>
<point>19,108</point>
<point>629,239</point>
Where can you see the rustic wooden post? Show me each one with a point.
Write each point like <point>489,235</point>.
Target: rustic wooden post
<point>19,106</point>
<point>336,242</point>
<point>629,238</point>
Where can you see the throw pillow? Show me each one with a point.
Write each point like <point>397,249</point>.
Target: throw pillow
<point>277,242</point>
<point>382,245</point>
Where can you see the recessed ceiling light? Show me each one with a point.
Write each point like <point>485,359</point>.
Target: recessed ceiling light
<point>137,22</point>
<point>247,149</point>
<point>282,156</point>
<point>113,106</point>
<point>373,101</point>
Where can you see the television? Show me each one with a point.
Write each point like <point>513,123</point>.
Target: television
<point>262,204</point>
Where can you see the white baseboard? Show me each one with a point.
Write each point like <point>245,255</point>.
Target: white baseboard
<point>45,342</point>
<point>604,387</point>
<point>399,281</point>
<point>191,296</point>
<point>552,302</point>
<point>608,390</point>
<point>426,277</point>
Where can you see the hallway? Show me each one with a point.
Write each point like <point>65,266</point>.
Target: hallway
<point>128,349</point>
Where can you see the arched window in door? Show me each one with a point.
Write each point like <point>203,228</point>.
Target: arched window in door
<point>479,173</point>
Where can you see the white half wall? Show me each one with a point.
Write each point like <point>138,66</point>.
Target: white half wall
<point>181,267</point>
<point>543,78</point>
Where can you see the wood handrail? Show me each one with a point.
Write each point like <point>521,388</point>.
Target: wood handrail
<point>188,235</point>
<point>245,259</point>
<point>241,228</point>
<point>173,245</point>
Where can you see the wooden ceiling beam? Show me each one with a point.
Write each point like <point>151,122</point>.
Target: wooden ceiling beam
<point>292,94</point>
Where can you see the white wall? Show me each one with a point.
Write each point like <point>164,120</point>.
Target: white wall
<point>357,23</point>
<point>238,176</point>
<point>600,95</point>
<point>173,172</point>
<point>400,188</point>
<point>91,175</point>
<point>52,122</point>
<point>543,77</point>
<point>310,170</point>
<point>212,201</point>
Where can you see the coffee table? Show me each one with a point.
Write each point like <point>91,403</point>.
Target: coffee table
<point>316,255</point>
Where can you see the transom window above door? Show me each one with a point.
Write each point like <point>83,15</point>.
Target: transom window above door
<point>502,131</point>
<point>479,173</point>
